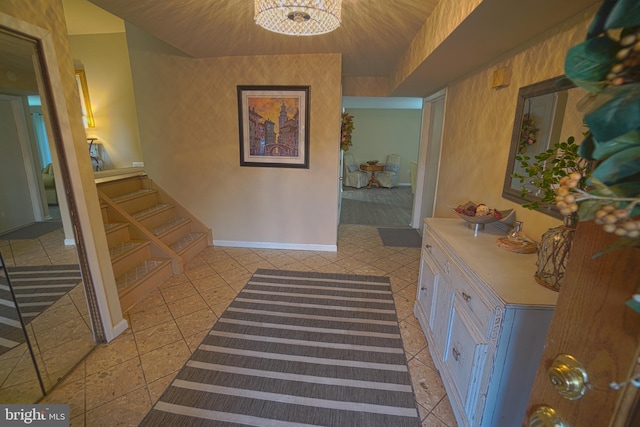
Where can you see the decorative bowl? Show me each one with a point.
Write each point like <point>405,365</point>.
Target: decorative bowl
<point>478,222</point>
<point>372,162</point>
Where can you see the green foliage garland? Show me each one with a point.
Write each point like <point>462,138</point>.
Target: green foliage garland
<point>345,134</point>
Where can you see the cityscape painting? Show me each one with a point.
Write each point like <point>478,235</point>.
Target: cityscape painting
<point>274,126</point>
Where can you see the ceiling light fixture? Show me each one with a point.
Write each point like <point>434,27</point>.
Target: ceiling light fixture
<point>298,17</point>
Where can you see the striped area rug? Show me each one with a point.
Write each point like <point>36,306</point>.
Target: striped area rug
<point>297,349</point>
<point>36,288</point>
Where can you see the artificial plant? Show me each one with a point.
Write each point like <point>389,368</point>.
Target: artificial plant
<point>345,131</point>
<point>607,65</point>
<point>545,170</point>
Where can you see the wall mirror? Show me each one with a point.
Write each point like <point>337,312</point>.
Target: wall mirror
<point>46,324</point>
<point>546,113</point>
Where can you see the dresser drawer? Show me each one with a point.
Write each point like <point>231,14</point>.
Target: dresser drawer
<point>473,300</point>
<point>465,359</point>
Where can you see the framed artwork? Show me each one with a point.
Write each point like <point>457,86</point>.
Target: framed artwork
<point>85,102</point>
<point>274,126</point>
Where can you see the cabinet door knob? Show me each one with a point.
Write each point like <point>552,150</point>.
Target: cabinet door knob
<point>466,296</point>
<point>427,246</point>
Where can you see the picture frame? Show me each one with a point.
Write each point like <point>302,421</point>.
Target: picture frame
<point>274,126</point>
<point>85,101</point>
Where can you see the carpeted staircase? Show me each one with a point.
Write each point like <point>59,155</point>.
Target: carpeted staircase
<point>150,235</point>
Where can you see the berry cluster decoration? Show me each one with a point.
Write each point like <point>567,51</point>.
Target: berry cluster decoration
<point>607,65</point>
<point>527,133</point>
<point>345,132</point>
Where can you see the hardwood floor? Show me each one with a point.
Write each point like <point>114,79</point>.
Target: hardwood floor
<point>383,207</point>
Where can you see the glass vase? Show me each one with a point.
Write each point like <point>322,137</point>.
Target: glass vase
<point>553,253</point>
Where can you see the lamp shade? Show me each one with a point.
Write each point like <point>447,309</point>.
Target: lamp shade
<point>298,17</point>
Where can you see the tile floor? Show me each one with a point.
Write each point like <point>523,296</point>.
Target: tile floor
<point>119,382</point>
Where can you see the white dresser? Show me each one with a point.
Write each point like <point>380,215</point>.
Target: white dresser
<point>485,319</point>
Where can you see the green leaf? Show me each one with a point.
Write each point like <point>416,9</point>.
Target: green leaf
<point>599,21</point>
<point>619,166</point>
<point>587,147</point>
<point>617,117</point>
<point>624,14</point>
<point>603,150</point>
<point>590,62</point>
<point>587,209</point>
<point>626,189</point>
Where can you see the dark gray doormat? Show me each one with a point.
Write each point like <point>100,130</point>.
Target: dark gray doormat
<point>402,237</point>
<point>32,231</point>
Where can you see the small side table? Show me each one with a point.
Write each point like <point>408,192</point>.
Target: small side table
<point>373,169</point>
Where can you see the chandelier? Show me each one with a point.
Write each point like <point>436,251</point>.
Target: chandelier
<point>298,17</point>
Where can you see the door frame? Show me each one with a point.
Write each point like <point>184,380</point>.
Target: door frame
<point>30,161</point>
<point>428,157</point>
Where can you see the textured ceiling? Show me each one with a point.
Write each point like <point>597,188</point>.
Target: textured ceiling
<point>373,36</point>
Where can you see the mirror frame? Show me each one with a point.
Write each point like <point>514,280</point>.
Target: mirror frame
<point>554,84</point>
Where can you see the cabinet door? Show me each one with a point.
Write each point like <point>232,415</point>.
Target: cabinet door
<point>428,278</point>
<point>465,358</point>
<point>441,313</point>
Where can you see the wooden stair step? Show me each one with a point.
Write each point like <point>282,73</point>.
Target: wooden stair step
<point>114,226</point>
<point>132,195</point>
<point>123,249</point>
<point>135,275</point>
<point>186,241</point>
<point>150,211</point>
<point>169,225</point>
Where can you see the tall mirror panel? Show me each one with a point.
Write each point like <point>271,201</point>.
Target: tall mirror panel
<point>37,238</point>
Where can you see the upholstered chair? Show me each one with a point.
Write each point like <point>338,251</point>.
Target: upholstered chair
<point>388,178</point>
<point>353,176</point>
<point>49,185</point>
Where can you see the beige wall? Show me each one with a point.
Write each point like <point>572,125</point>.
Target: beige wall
<point>105,59</point>
<point>188,118</point>
<point>479,122</point>
<point>378,132</point>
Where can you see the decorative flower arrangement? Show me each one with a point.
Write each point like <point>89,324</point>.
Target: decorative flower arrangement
<point>527,133</point>
<point>607,64</point>
<point>347,129</point>
<point>546,170</point>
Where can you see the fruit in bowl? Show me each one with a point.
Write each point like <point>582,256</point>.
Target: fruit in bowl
<point>372,162</point>
<point>479,213</point>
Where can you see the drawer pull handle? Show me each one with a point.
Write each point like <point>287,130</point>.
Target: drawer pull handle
<point>423,288</point>
<point>427,246</point>
<point>456,353</point>
<point>466,296</point>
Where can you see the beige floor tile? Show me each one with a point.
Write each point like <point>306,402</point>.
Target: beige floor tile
<point>107,385</point>
<point>413,339</point>
<point>426,384</point>
<point>433,421</point>
<point>444,412</point>
<point>153,316</point>
<point>157,336</point>
<point>178,292</point>
<point>201,320</point>
<point>187,305</point>
<point>127,410</point>
<point>164,360</point>
<point>154,299</point>
<point>157,387</point>
<point>70,393</point>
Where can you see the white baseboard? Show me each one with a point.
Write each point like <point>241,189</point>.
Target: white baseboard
<point>270,245</point>
<point>69,242</point>
<point>116,330</point>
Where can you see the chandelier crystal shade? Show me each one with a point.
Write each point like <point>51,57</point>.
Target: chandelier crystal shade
<point>298,17</point>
